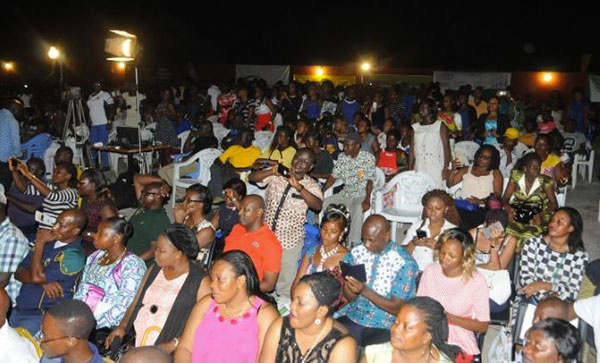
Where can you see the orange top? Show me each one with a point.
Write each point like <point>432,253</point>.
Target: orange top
<point>261,245</point>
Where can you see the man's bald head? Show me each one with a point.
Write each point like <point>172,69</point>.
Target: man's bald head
<point>79,218</point>
<point>252,211</point>
<point>376,233</point>
<point>378,220</point>
<point>148,354</point>
<point>551,307</point>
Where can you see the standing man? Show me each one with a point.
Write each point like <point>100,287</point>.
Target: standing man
<point>288,199</point>
<point>100,118</point>
<point>10,139</point>
<point>131,116</point>
<point>356,169</point>
<point>391,274</point>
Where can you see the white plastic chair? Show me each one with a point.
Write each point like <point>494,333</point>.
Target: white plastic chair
<point>465,151</point>
<point>262,140</point>
<point>378,183</point>
<point>182,139</point>
<point>520,149</point>
<point>205,159</point>
<point>581,164</point>
<point>561,197</point>
<point>409,187</point>
<point>455,190</point>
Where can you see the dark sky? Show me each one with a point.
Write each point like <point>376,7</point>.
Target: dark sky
<point>422,34</point>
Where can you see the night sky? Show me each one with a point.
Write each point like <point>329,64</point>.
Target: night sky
<point>417,34</point>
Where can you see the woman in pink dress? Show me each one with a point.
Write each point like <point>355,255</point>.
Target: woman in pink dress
<point>463,291</point>
<point>231,324</point>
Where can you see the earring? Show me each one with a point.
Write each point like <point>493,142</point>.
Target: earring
<point>318,321</point>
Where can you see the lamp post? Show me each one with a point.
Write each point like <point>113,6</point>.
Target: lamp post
<point>57,56</point>
<point>365,67</point>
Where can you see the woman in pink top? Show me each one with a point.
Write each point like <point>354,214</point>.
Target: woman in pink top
<point>463,292</point>
<point>230,325</point>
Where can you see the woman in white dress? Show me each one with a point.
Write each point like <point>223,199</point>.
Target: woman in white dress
<point>430,147</point>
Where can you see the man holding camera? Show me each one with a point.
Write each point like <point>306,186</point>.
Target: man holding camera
<point>290,192</point>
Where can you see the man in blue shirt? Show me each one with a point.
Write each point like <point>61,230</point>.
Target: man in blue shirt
<point>65,331</point>
<point>391,279</point>
<point>49,273</point>
<point>10,139</point>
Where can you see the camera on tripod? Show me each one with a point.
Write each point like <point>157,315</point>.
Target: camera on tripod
<point>74,93</point>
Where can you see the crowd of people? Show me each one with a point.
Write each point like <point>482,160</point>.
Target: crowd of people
<point>282,256</point>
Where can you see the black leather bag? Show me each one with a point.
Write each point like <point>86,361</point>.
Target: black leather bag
<point>524,212</point>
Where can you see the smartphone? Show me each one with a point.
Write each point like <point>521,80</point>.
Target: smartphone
<point>14,163</point>
<point>497,225</point>
<point>421,233</point>
<point>283,171</point>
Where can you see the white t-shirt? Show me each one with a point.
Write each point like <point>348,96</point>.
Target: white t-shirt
<point>131,113</point>
<point>572,141</point>
<point>21,350</point>
<point>587,309</point>
<point>214,92</point>
<point>423,255</point>
<point>96,105</point>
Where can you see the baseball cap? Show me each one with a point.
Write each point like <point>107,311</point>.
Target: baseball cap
<point>511,133</point>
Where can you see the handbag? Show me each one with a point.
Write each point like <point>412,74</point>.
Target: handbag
<point>465,205</point>
<point>119,346</point>
<point>498,282</point>
<point>524,212</point>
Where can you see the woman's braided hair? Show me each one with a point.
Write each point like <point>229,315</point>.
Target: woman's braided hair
<point>437,324</point>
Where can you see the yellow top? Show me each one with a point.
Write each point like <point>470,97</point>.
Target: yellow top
<point>239,156</point>
<point>284,157</point>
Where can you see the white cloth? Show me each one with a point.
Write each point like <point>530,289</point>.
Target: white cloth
<point>213,92</point>
<point>505,168</point>
<point>16,349</point>
<point>131,119</point>
<point>423,255</point>
<point>96,105</point>
<point>587,309</point>
<point>429,150</point>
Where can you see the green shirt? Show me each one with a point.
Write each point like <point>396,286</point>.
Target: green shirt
<point>147,225</point>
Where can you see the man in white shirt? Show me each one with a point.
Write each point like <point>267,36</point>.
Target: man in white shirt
<point>587,309</point>
<point>100,118</point>
<point>16,348</point>
<point>508,157</point>
<point>131,118</point>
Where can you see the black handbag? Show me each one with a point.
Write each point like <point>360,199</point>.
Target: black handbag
<point>118,347</point>
<point>524,212</point>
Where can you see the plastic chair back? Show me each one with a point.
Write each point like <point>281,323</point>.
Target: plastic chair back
<point>206,158</point>
<point>36,146</point>
<point>262,140</point>
<point>411,186</point>
<point>465,151</point>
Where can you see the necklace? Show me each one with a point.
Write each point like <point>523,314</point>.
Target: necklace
<point>105,260</point>
<point>326,255</point>
<point>233,318</point>
<point>317,341</point>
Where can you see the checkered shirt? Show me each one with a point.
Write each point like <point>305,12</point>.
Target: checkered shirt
<point>13,249</point>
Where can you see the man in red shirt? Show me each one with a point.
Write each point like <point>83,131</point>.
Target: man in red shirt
<point>255,238</point>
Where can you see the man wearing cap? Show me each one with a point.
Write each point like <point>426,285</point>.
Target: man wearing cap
<point>100,118</point>
<point>508,157</point>
<point>14,246</point>
<point>356,169</point>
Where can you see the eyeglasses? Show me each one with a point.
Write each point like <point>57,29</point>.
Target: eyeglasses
<point>41,339</point>
<point>186,201</point>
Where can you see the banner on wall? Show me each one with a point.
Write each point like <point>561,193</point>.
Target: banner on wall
<point>594,88</point>
<point>271,74</point>
<point>487,80</point>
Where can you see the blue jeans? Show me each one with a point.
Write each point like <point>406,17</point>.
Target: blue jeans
<point>99,133</point>
<point>30,321</point>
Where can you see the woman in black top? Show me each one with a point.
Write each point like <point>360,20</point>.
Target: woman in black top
<point>309,334</point>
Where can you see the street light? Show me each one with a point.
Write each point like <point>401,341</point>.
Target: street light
<point>57,56</point>
<point>365,67</point>
<point>8,66</point>
<point>320,72</point>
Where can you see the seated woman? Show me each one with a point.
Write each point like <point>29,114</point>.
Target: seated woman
<point>112,274</point>
<point>192,213</point>
<point>552,164</point>
<point>419,335</point>
<point>552,340</point>
<point>309,334</point>
<point>168,292</point>
<point>282,150</point>
<point>95,199</point>
<point>439,215</point>
<point>454,282</point>
<point>529,199</point>
<point>368,141</point>
<point>478,181</point>
<point>59,195</point>
<point>230,325</point>
<point>493,249</point>
<point>554,263</point>
<point>335,226</point>
<point>392,159</point>
<point>228,215</point>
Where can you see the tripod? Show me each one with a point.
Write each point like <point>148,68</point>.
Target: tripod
<point>75,125</point>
